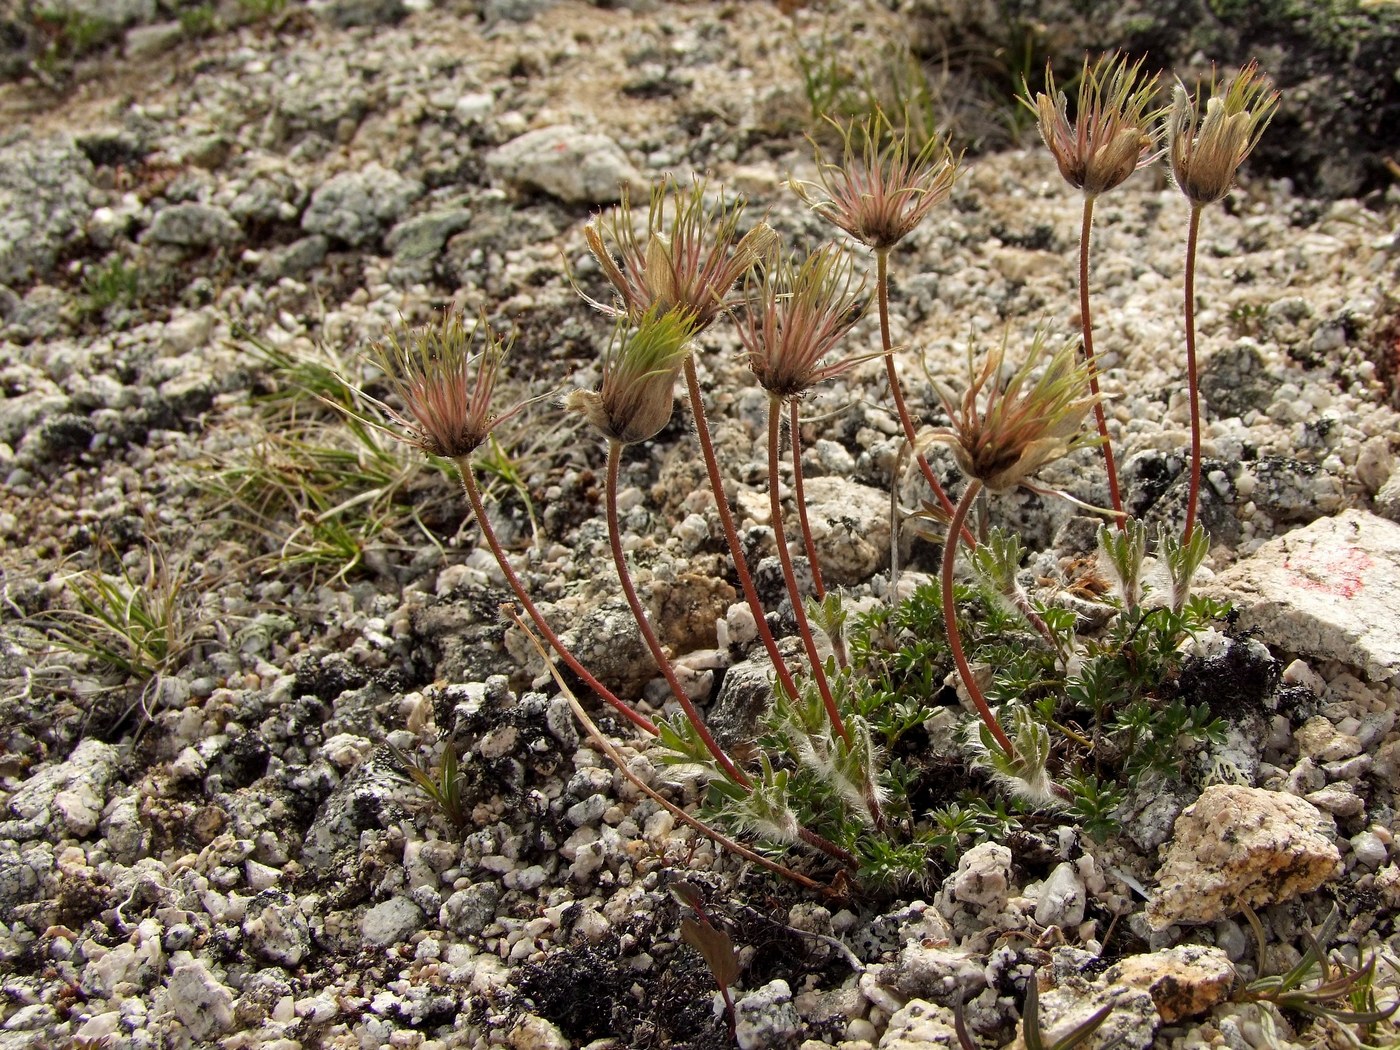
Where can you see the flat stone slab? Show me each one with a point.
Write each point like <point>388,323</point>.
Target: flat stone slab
<point>1327,590</point>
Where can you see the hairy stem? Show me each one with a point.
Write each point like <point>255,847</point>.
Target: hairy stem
<point>731,534</point>
<point>1194,492</point>
<point>838,644</point>
<point>799,613</point>
<point>882,298</point>
<point>606,746</point>
<point>464,467</point>
<point>1086,322</point>
<point>644,625</point>
<point>818,587</point>
<point>950,621</point>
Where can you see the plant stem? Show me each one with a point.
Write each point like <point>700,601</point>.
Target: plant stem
<point>644,625</point>
<point>950,621</point>
<point>731,534</point>
<point>606,746</point>
<point>818,587</point>
<point>1193,494</point>
<point>838,644</point>
<point>775,425</point>
<point>464,467</point>
<point>1087,324</point>
<point>882,298</point>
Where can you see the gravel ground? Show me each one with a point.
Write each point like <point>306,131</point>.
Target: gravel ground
<point>203,841</point>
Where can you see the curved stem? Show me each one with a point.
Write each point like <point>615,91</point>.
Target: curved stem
<point>1193,494</point>
<point>489,534</point>
<point>731,534</point>
<point>1087,324</point>
<point>644,625</point>
<point>775,421</point>
<point>950,621</point>
<point>818,587</point>
<point>882,298</point>
<point>606,746</point>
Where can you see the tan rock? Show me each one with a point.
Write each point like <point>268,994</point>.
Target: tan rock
<point>1241,843</point>
<point>1185,981</point>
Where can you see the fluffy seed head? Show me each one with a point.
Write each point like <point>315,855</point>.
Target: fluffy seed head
<point>1004,430</point>
<point>794,317</point>
<point>445,385</point>
<point>637,394</point>
<point>689,257</point>
<point>1112,134</point>
<point>1206,152</point>
<point>883,187</point>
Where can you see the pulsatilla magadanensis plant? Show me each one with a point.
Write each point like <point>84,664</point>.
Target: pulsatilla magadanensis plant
<point>830,768</point>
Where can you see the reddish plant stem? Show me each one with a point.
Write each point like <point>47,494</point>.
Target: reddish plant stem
<point>1087,324</point>
<point>1194,492</point>
<point>950,621</point>
<point>809,643</point>
<point>732,771</point>
<point>606,746</point>
<point>818,587</point>
<point>489,534</point>
<point>731,534</point>
<point>882,298</point>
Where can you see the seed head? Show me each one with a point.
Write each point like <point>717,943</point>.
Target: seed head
<point>1003,431</point>
<point>794,317</point>
<point>445,387</point>
<point>1112,134</point>
<point>1206,153</point>
<point>689,258</point>
<point>883,187</point>
<point>637,394</point>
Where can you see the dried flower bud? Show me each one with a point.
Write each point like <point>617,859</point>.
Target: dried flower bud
<point>1206,156</point>
<point>637,395</point>
<point>1112,134</point>
<point>1003,431</point>
<point>689,257</point>
<point>795,317</point>
<point>883,187</point>
<point>446,389</point>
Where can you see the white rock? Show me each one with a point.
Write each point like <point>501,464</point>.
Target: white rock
<point>390,922</point>
<point>1062,898</point>
<point>578,167</point>
<point>74,791</point>
<point>1327,590</point>
<point>766,1017</point>
<point>198,999</point>
<point>983,875</point>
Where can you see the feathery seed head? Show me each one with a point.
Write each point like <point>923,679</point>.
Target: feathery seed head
<point>445,387</point>
<point>1207,152</point>
<point>637,396</point>
<point>1112,134</point>
<point>883,187</point>
<point>1004,430</point>
<point>689,257</point>
<point>794,317</point>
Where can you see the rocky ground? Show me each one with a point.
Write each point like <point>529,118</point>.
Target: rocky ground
<point>220,600</point>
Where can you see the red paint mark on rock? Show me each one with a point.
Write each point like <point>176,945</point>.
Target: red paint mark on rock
<point>1336,572</point>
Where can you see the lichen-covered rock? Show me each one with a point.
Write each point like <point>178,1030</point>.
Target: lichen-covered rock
<point>850,527</point>
<point>919,1024</point>
<point>578,167</point>
<point>1241,844</point>
<point>1185,981</point>
<point>1131,1023</point>
<point>44,189</point>
<point>357,206</point>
